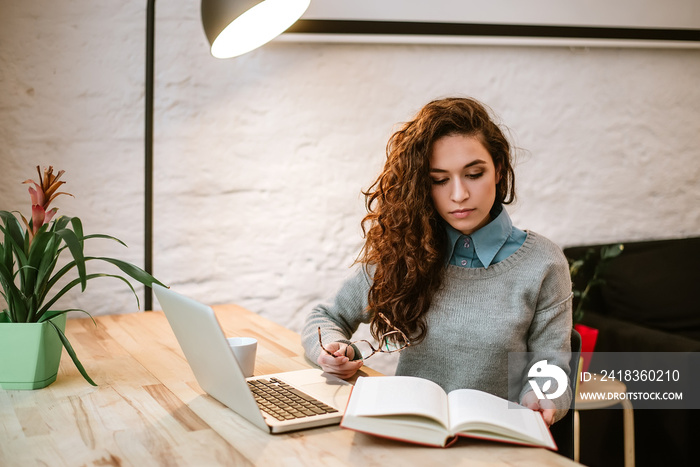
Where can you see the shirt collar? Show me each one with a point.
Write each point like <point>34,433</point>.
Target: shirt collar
<point>488,240</point>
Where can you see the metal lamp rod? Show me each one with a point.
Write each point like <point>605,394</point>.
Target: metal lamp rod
<point>148,172</point>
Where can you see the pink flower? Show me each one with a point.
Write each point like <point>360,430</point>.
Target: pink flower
<point>42,194</point>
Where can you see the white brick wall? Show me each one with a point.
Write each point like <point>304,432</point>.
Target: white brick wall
<point>260,160</point>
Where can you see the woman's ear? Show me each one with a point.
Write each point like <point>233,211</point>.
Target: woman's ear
<point>499,171</point>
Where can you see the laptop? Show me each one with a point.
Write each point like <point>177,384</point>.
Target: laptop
<point>318,399</point>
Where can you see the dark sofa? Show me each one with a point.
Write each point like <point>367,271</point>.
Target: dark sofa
<point>648,302</point>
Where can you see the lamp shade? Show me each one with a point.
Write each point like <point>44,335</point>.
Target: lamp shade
<point>234,27</point>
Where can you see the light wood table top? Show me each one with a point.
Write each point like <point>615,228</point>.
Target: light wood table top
<point>149,410</point>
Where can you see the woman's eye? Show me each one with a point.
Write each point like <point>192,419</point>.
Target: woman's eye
<point>474,176</point>
<point>442,181</point>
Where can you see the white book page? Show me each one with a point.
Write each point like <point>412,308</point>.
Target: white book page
<point>470,407</point>
<point>398,395</point>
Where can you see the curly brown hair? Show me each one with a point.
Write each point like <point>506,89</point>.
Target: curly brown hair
<point>405,240</point>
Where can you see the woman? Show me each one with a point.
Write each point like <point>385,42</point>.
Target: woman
<point>444,266</point>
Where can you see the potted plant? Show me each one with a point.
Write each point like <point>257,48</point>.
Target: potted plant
<point>32,280</point>
<point>586,277</point>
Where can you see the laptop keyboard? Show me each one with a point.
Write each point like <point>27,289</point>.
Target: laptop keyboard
<point>284,402</point>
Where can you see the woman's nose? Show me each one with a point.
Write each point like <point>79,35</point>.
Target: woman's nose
<point>459,192</point>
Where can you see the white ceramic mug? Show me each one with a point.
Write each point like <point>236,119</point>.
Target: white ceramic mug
<point>244,349</point>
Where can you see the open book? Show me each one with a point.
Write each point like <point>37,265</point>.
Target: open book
<point>419,411</point>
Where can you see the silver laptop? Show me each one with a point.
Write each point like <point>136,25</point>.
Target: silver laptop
<point>318,398</point>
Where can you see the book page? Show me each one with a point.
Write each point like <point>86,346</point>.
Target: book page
<point>398,395</point>
<point>476,409</point>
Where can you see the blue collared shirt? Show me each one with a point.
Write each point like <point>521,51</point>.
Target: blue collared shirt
<point>492,243</point>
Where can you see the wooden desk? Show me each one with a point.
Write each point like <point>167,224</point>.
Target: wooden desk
<point>149,410</point>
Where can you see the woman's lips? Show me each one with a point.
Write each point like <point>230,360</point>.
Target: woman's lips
<point>461,213</point>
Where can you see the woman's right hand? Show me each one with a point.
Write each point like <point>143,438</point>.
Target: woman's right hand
<point>340,363</point>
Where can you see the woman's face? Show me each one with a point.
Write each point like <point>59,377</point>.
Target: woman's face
<point>464,182</point>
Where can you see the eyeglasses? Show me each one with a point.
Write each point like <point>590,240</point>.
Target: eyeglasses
<point>389,342</point>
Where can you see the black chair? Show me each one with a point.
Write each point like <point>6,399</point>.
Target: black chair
<point>563,430</point>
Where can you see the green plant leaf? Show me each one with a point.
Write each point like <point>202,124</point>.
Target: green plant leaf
<point>611,251</point>
<point>45,307</point>
<point>77,228</point>
<point>133,271</point>
<point>13,296</point>
<point>16,244</point>
<point>46,267</point>
<point>60,223</point>
<point>56,277</point>
<point>13,226</point>
<point>76,249</point>
<point>75,282</point>
<point>108,237</point>
<point>37,252</point>
<point>575,267</point>
<point>51,314</point>
<point>71,352</point>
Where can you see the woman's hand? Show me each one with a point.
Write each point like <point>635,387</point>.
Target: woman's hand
<point>340,363</point>
<point>544,406</point>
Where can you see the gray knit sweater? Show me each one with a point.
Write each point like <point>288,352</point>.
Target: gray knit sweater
<point>521,304</point>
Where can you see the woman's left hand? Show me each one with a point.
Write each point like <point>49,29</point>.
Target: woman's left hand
<point>544,406</point>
